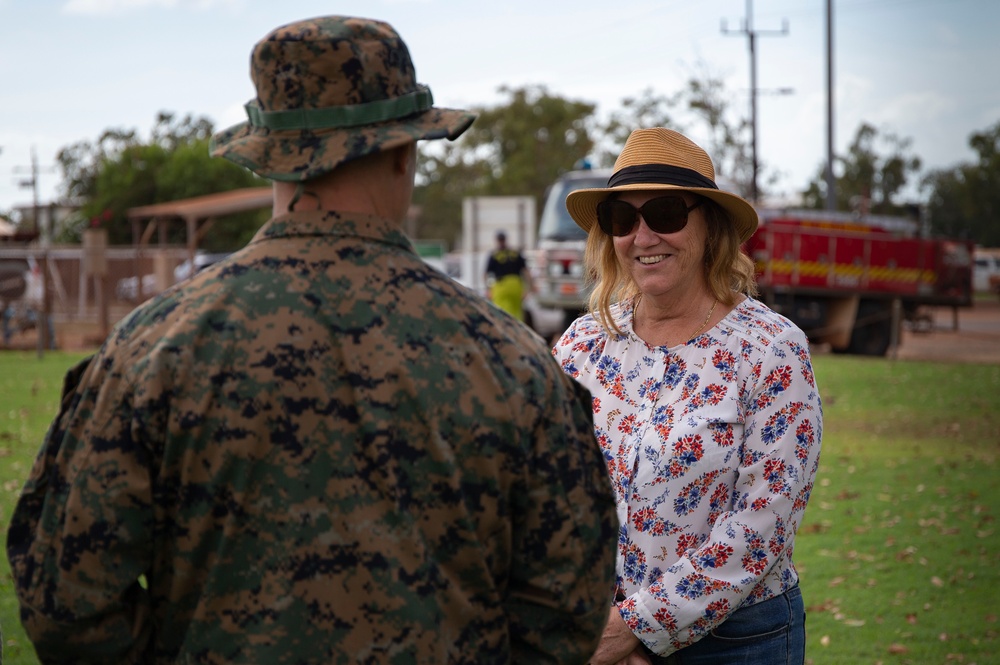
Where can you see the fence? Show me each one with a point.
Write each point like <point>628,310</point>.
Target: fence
<point>132,275</point>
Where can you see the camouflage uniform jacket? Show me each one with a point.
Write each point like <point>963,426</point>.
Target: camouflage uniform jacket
<point>320,450</point>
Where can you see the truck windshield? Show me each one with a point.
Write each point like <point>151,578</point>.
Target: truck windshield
<point>556,224</point>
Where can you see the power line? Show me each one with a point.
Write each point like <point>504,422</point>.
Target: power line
<point>751,34</point>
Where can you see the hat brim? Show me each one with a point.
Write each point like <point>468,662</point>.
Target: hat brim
<point>582,204</point>
<point>298,155</point>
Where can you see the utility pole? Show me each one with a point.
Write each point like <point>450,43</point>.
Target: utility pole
<point>751,34</point>
<point>831,183</point>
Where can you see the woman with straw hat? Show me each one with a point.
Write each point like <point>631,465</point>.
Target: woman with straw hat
<point>707,410</point>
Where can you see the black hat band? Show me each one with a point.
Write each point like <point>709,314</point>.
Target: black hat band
<point>659,174</point>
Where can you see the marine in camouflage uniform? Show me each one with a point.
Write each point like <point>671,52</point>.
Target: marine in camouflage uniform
<point>320,450</point>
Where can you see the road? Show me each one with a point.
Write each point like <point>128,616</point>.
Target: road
<point>977,339</point>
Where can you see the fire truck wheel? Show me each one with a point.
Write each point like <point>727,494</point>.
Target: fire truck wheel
<point>872,332</point>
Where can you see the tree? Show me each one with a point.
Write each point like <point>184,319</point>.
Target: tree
<point>447,173</point>
<point>965,200</point>
<point>730,135</point>
<point>874,171</point>
<point>648,109</point>
<point>703,101</point>
<point>120,171</point>
<point>517,147</point>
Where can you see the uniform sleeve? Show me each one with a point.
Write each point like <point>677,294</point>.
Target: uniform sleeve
<point>564,542</point>
<point>779,457</point>
<point>79,536</point>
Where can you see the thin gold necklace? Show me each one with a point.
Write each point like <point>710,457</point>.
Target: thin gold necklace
<point>705,322</point>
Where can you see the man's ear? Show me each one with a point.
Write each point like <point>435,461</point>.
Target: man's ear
<point>401,158</point>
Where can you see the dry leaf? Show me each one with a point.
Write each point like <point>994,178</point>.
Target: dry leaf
<point>898,648</point>
<point>825,640</point>
<point>937,581</point>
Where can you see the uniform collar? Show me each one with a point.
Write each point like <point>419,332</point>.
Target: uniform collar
<point>331,224</point>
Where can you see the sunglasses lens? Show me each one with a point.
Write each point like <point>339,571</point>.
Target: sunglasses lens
<point>665,214</point>
<point>616,218</point>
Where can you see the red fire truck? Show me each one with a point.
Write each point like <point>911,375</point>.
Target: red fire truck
<point>851,280</point>
<point>846,280</point>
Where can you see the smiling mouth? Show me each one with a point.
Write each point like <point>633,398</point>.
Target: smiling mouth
<point>650,260</point>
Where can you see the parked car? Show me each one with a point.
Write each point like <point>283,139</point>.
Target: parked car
<point>21,294</point>
<point>14,275</point>
<point>201,261</point>
<point>127,288</point>
<point>985,269</point>
<point>547,322</point>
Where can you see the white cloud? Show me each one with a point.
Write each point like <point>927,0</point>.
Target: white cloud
<point>916,108</point>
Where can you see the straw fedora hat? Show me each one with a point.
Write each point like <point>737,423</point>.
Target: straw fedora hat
<point>329,90</point>
<point>662,159</point>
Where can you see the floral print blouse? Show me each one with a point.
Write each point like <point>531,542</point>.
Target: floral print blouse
<point>712,448</point>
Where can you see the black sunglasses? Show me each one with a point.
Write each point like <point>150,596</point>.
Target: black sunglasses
<point>664,214</point>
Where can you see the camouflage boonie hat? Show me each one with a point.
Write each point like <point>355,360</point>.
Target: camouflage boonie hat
<point>329,90</point>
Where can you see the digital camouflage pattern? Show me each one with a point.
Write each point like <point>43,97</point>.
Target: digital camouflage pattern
<point>319,450</point>
<point>333,62</point>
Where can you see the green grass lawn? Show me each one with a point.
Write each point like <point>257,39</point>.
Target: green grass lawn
<point>29,397</point>
<point>899,552</point>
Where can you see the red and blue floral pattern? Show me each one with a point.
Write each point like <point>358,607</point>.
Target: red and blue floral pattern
<point>712,448</point>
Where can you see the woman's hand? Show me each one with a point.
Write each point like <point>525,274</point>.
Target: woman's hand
<point>618,645</point>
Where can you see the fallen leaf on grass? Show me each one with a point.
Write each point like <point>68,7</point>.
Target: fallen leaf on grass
<point>937,581</point>
<point>825,640</point>
<point>898,648</point>
<point>812,528</point>
<point>911,618</point>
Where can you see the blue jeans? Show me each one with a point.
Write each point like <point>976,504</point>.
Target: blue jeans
<point>772,632</point>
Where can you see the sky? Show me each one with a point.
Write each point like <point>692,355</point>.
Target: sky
<point>923,70</point>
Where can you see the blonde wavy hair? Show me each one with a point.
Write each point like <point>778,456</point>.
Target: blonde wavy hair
<point>728,270</point>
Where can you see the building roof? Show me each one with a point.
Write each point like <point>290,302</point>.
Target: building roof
<point>207,206</point>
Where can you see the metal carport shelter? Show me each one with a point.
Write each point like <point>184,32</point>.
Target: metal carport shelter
<point>198,214</point>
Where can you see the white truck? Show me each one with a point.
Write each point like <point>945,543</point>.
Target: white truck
<point>561,285</point>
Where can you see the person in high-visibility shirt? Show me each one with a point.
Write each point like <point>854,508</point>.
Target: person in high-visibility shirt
<point>510,278</point>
